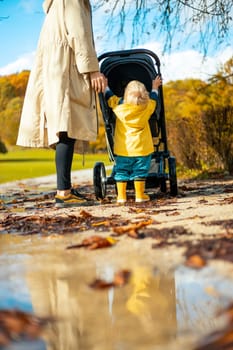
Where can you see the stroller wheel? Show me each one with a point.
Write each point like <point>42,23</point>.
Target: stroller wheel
<point>172,176</point>
<point>99,180</point>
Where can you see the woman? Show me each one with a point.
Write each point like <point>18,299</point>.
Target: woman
<point>59,107</point>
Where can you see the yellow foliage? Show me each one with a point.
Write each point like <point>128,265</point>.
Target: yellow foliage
<point>19,81</point>
<point>189,105</point>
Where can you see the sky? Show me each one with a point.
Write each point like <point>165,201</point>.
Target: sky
<point>20,25</point>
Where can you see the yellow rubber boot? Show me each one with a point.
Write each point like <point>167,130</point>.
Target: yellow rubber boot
<point>121,192</point>
<point>140,196</point>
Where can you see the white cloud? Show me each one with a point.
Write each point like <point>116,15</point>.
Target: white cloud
<point>29,6</point>
<point>22,63</point>
<point>190,63</point>
<point>175,66</point>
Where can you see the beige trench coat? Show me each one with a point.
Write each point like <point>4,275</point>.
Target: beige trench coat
<point>59,96</point>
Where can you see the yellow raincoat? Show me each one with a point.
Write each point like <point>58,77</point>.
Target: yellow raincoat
<point>132,132</point>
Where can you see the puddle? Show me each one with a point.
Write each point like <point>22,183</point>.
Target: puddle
<point>159,310</point>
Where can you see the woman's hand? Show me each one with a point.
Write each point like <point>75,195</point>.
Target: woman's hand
<point>98,81</point>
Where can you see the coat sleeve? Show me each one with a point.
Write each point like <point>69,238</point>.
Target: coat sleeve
<point>80,35</point>
<point>113,101</point>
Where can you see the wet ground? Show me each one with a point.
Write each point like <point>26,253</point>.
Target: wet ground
<point>164,305</point>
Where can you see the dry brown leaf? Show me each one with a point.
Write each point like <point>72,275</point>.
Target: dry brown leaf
<point>16,323</point>
<point>101,223</point>
<point>219,340</point>
<point>131,230</point>
<point>195,261</point>
<point>227,312</point>
<point>94,242</point>
<point>101,243</point>
<point>222,338</point>
<point>174,213</point>
<point>210,290</point>
<point>85,214</point>
<point>100,284</point>
<point>4,338</point>
<point>120,279</point>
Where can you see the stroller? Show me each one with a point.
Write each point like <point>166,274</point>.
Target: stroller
<point>120,67</point>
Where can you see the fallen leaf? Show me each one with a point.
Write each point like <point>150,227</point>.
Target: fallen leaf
<point>210,290</point>
<point>101,284</point>
<point>120,279</point>
<point>219,340</point>
<point>174,213</point>
<point>94,242</point>
<point>101,223</point>
<point>131,230</point>
<point>4,338</point>
<point>16,323</point>
<point>227,312</point>
<point>195,261</point>
<point>85,214</point>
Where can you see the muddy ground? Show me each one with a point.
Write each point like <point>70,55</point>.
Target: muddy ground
<point>167,241</point>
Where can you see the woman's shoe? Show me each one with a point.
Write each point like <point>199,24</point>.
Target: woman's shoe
<point>75,192</point>
<point>72,199</point>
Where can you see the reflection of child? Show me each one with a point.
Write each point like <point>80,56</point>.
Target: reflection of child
<point>133,143</point>
<point>137,303</point>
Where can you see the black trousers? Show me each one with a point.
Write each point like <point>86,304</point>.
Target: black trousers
<point>63,160</point>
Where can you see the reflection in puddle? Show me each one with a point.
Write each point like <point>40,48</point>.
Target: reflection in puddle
<point>155,310</point>
<point>200,295</point>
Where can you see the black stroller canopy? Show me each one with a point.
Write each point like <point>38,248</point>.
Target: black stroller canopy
<point>120,70</point>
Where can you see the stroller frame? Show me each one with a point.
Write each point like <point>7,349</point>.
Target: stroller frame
<point>120,67</point>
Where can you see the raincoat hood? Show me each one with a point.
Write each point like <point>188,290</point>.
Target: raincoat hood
<point>134,116</point>
<point>46,5</point>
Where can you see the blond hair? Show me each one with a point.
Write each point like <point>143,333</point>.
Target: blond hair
<point>136,93</point>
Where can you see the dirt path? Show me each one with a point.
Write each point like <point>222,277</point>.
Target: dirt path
<point>202,210</point>
<point>195,229</point>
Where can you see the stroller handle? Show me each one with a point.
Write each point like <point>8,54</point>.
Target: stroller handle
<point>125,53</point>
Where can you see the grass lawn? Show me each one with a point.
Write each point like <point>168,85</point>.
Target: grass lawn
<point>22,164</point>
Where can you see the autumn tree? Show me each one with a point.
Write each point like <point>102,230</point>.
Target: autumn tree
<point>3,148</point>
<point>12,90</point>
<point>7,92</point>
<point>10,118</point>
<point>218,114</point>
<point>19,82</point>
<point>185,131</point>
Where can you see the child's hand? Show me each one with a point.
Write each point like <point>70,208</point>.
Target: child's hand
<point>156,82</point>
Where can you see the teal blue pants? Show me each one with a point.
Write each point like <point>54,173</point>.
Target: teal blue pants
<point>131,168</point>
